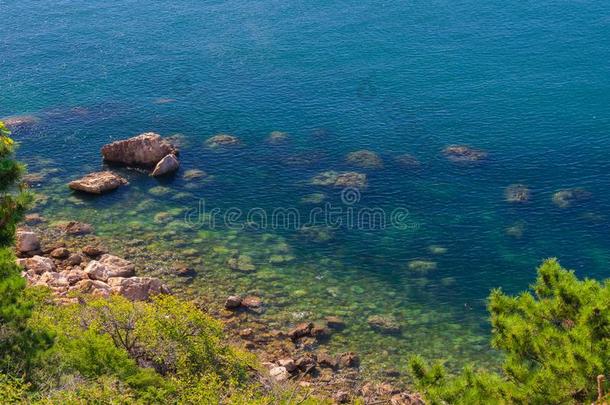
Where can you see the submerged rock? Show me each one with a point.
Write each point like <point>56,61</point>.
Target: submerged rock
<point>517,193</point>
<point>222,140</point>
<point>364,158</point>
<point>159,191</point>
<point>98,183</point>
<point>233,302</point>
<point>422,265</point>
<point>241,263</point>
<point>168,164</point>
<point>384,324</point>
<point>301,330</point>
<point>437,249</point>
<point>277,138</point>
<point>315,198</point>
<point>340,179</point>
<point>516,230</point>
<point>144,150</point>
<point>75,228</point>
<point>464,154</point>
<point>194,174</point>
<point>317,233</point>
<point>304,159</point>
<point>335,322</point>
<point>349,359</point>
<point>251,302</point>
<point>408,161</point>
<point>18,122</point>
<point>568,197</point>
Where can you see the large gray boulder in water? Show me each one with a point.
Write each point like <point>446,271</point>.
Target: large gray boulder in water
<point>168,164</point>
<point>145,150</point>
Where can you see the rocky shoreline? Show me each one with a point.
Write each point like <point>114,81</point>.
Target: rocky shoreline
<point>69,259</point>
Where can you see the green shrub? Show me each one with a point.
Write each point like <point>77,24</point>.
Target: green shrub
<point>555,340</point>
<point>163,348</point>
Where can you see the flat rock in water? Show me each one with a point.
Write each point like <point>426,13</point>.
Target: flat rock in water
<point>98,183</point>
<point>144,150</point>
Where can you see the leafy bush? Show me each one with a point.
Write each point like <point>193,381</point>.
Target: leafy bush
<point>163,348</point>
<point>555,340</point>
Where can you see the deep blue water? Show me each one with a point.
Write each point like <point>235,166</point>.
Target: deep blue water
<point>529,82</point>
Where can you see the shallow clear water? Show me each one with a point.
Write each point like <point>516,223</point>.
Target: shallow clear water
<point>529,83</point>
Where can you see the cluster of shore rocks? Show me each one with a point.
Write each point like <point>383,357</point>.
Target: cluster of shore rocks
<point>67,271</point>
<point>70,260</point>
<point>298,355</point>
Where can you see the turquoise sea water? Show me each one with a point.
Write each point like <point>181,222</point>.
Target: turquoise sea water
<point>528,82</point>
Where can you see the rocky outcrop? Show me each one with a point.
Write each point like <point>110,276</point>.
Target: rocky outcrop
<point>98,183</point>
<point>63,274</point>
<point>168,164</point>
<point>145,150</point>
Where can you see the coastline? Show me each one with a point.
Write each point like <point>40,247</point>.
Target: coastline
<point>295,358</point>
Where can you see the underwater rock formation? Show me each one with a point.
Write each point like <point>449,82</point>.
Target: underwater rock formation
<point>464,154</point>
<point>98,182</point>
<point>241,263</point>
<point>222,140</point>
<point>277,138</point>
<point>384,324</point>
<point>18,122</point>
<point>517,193</point>
<point>145,150</point>
<point>194,174</point>
<point>422,265</point>
<point>408,161</point>
<point>568,197</point>
<point>365,159</point>
<point>340,179</point>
